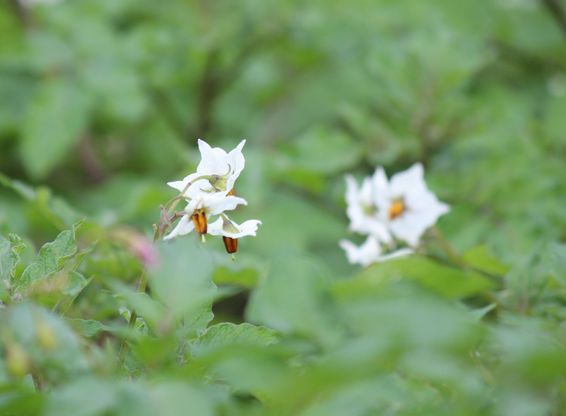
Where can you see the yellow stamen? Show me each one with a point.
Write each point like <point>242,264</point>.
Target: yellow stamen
<point>396,209</point>
<point>231,244</point>
<point>200,222</point>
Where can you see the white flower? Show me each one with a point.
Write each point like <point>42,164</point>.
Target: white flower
<point>201,208</point>
<point>362,210</point>
<point>405,204</point>
<point>370,252</point>
<point>217,170</point>
<point>227,228</point>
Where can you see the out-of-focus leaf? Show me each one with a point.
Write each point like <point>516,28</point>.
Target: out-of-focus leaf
<point>183,282</point>
<point>50,258</point>
<point>481,259</point>
<point>448,281</point>
<point>50,343</point>
<point>293,299</point>
<point>53,123</point>
<point>227,334</point>
<point>175,398</point>
<point>324,151</point>
<point>246,276</point>
<point>82,398</point>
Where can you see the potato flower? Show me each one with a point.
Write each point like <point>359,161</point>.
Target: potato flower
<point>209,192</point>
<point>405,204</point>
<point>200,209</point>
<point>216,172</point>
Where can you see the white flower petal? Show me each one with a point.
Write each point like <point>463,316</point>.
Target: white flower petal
<point>408,181</point>
<point>381,191</point>
<point>247,228</point>
<point>214,160</point>
<point>370,252</point>
<point>365,254</point>
<point>237,164</point>
<point>218,203</point>
<point>184,226</point>
<point>408,228</point>
<point>178,185</point>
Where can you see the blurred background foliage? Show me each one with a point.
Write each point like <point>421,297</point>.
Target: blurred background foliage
<point>101,102</point>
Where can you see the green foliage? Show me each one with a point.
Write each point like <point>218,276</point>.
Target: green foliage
<point>101,102</point>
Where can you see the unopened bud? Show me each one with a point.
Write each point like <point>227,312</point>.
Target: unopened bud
<point>231,244</point>
<point>46,336</point>
<point>200,221</point>
<point>17,360</point>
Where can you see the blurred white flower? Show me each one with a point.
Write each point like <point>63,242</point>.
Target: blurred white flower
<point>362,210</point>
<point>201,208</point>
<point>405,204</point>
<point>370,252</point>
<point>216,172</point>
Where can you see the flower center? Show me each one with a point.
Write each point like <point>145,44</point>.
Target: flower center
<point>368,210</point>
<point>200,222</point>
<point>397,208</point>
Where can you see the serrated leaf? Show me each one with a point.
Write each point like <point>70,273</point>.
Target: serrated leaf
<point>227,334</point>
<point>9,255</point>
<point>53,123</point>
<point>9,258</point>
<point>50,258</point>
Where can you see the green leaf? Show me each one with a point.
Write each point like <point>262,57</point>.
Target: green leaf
<point>89,327</point>
<point>84,397</point>
<point>293,299</point>
<point>325,151</point>
<point>53,123</point>
<point>53,347</point>
<point>448,281</point>
<point>51,258</point>
<point>9,258</point>
<point>227,334</point>
<point>144,306</point>
<point>245,276</point>
<point>183,281</point>
<point>481,259</point>
<point>173,398</point>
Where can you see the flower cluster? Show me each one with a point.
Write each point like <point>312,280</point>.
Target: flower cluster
<point>394,214</point>
<point>209,193</point>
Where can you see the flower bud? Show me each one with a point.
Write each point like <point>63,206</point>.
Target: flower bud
<point>17,360</point>
<point>200,222</point>
<point>231,244</point>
